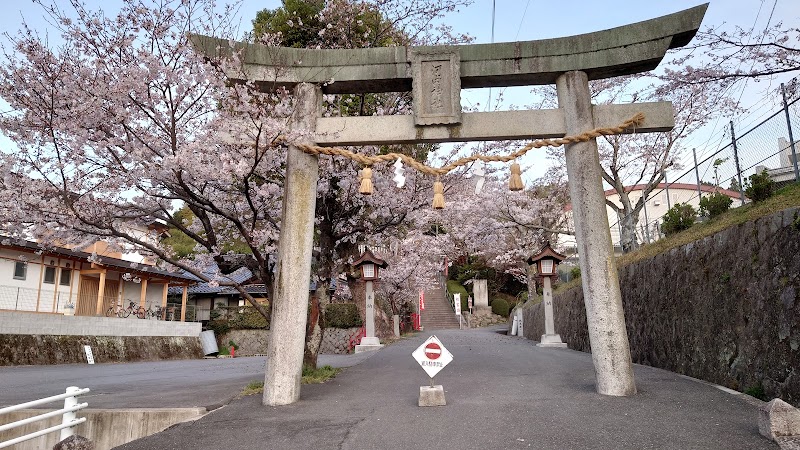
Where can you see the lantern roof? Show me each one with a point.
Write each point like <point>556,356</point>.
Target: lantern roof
<point>546,252</point>
<point>369,257</point>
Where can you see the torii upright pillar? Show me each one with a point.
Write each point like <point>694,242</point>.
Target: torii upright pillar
<point>290,305</point>
<point>604,314</point>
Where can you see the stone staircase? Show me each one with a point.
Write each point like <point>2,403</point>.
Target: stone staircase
<point>438,313</point>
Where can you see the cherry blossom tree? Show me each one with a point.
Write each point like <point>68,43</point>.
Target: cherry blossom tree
<point>346,218</point>
<point>721,57</point>
<point>642,159</point>
<point>123,122</point>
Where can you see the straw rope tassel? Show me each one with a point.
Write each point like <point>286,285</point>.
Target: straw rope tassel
<point>366,181</point>
<point>515,183</point>
<point>438,195</point>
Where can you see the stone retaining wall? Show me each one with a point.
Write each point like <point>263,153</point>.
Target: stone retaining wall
<point>250,342</point>
<point>335,340</point>
<point>24,349</point>
<point>725,309</point>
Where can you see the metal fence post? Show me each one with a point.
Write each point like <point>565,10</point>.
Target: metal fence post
<point>736,158</point>
<point>697,175</point>
<point>666,184</point>
<point>68,417</point>
<point>791,137</point>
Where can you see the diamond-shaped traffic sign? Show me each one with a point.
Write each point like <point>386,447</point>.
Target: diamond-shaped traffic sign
<point>432,356</point>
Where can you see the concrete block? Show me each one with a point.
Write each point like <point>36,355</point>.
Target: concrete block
<point>778,419</point>
<point>431,396</point>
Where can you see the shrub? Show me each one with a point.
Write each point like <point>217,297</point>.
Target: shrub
<point>678,218</point>
<point>575,272</point>
<point>500,307</point>
<point>715,204</point>
<point>759,186</point>
<point>454,287</point>
<point>342,315</point>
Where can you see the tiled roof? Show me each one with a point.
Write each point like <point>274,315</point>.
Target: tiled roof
<point>238,276</point>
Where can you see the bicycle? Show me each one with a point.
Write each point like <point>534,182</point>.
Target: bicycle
<point>114,310</point>
<point>138,311</point>
<point>156,312</point>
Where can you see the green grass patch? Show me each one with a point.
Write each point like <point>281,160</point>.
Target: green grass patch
<point>310,376</point>
<point>319,375</point>
<point>255,387</point>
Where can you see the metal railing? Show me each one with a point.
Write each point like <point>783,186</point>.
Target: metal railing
<point>68,417</point>
<point>16,298</point>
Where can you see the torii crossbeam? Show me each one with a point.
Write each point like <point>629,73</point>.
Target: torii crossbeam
<point>436,76</point>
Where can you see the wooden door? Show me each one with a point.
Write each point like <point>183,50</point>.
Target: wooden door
<point>87,295</point>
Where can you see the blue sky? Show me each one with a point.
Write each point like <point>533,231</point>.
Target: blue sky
<point>521,20</point>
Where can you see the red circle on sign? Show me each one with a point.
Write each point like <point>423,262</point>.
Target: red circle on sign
<point>433,351</point>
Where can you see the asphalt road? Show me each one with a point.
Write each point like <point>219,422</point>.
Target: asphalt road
<point>502,393</point>
<point>160,384</point>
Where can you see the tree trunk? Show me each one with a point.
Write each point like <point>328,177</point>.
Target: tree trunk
<point>315,329</point>
<point>627,235</point>
<point>531,282</point>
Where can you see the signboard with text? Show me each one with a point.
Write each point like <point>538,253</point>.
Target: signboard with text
<point>432,356</point>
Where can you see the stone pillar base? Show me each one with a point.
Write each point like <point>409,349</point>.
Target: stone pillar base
<point>551,340</point>
<point>431,396</point>
<point>368,344</point>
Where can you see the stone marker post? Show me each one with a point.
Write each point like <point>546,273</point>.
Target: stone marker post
<point>481,294</point>
<point>288,327</point>
<point>604,314</point>
<point>369,341</point>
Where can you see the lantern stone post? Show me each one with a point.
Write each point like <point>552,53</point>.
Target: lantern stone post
<point>546,261</point>
<point>370,266</point>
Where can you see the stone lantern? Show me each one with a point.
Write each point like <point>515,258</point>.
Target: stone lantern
<point>369,265</point>
<point>546,261</point>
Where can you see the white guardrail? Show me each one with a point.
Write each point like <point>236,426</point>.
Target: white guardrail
<point>68,421</point>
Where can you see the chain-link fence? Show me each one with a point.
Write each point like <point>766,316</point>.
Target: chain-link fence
<point>771,145</point>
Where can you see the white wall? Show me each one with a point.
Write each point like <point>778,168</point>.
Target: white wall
<point>33,292</point>
<point>20,322</point>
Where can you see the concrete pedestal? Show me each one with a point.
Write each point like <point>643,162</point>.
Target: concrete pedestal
<point>551,340</point>
<point>431,396</point>
<point>368,344</point>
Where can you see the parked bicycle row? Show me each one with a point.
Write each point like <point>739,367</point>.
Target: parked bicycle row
<point>153,312</point>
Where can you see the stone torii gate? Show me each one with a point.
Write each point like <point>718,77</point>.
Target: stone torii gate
<point>436,76</point>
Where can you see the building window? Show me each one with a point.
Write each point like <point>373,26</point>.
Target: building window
<point>50,275</point>
<point>20,270</point>
<point>66,277</point>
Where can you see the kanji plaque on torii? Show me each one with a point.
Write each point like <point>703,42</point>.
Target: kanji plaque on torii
<point>436,75</point>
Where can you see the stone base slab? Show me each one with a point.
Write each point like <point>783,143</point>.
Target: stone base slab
<point>360,348</point>
<point>551,341</point>
<point>431,396</point>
